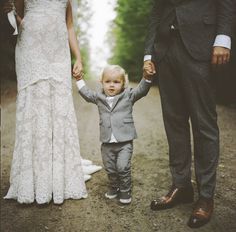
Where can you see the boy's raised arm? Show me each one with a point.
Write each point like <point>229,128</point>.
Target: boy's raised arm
<point>88,94</point>
<point>142,89</point>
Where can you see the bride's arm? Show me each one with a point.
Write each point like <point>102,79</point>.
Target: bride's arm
<point>77,68</point>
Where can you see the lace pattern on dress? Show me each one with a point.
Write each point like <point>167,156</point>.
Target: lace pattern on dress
<point>46,161</point>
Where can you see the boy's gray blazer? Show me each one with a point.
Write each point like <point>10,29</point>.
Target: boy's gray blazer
<point>117,119</point>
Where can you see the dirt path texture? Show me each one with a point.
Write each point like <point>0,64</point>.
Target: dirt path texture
<point>150,173</point>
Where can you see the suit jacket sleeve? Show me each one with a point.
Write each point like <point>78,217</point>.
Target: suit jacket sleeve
<point>88,94</point>
<point>140,91</point>
<point>226,15</point>
<point>154,23</point>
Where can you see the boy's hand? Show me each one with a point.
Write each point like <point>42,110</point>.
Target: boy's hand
<point>146,76</point>
<point>77,71</point>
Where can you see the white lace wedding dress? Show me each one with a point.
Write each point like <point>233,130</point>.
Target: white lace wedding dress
<point>46,160</point>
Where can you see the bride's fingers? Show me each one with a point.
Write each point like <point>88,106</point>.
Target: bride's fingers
<point>75,73</point>
<point>78,74</point>
<point>79,70</point>
<point>75,69</point>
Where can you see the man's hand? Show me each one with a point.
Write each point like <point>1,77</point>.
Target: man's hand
<point>220,55</point>
<point>148,68</point>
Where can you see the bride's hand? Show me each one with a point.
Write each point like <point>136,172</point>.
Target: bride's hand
<point>77,71</point>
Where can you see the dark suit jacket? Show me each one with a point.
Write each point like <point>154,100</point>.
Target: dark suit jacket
<point>199,21</point>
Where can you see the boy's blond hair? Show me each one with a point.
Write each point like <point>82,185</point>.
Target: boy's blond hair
<point>118,69</point>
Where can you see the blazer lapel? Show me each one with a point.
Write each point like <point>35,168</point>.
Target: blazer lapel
<point>103,98</point>
<point>116,99</point>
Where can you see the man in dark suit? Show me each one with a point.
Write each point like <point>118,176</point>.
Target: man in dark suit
<point>185,41</point>
<point>7,46</point>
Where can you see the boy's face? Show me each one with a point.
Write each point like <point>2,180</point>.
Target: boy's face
<point>112,83</point>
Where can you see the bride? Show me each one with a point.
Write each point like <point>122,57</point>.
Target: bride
<point>46,161</point>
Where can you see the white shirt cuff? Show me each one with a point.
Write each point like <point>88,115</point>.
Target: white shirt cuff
<point>222,41</point>
<point>80,84</point>
<point>148,81</point>
<point>12,21</point>
<point>147,57</point>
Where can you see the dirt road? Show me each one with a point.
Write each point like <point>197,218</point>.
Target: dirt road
<point>151,178</point>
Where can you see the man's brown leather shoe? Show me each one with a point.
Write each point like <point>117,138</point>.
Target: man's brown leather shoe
<point>201,213</point>
<point>174,196</point>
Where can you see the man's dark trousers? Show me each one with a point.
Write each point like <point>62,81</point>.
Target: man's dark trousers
<point>187,92</point>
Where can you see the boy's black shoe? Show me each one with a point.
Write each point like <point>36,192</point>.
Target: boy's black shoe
<point>125,197</point>
<point>112,193</point>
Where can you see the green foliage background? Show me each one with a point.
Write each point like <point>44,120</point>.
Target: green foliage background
<point>129,31</point>
<point>81,23</point>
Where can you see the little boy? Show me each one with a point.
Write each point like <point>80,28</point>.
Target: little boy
<point>117,131</point>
